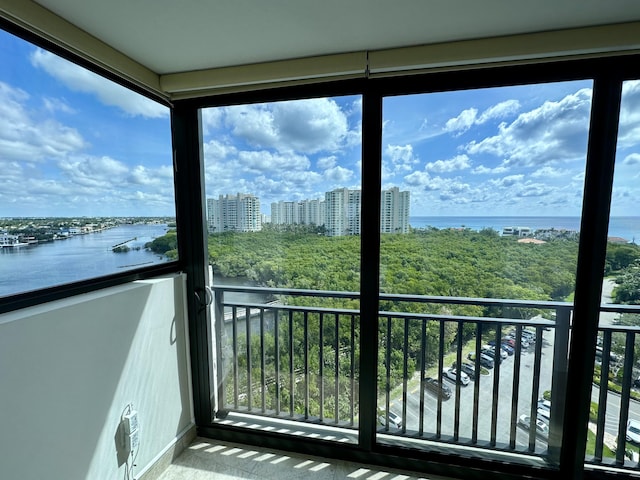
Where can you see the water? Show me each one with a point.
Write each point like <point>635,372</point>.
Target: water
<point>77,258</point>
<point>623,227</point>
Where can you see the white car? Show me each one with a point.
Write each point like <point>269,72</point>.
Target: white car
<point>542,428</point>
<point>395,420</point>
<point>633,431</point>
<point>452,374</point>
<point>491,351</point>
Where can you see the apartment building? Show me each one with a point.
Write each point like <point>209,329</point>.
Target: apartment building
<point>394,211</point>
<point>234,213</point>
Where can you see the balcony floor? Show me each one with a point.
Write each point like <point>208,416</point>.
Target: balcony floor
<point>207,459</point>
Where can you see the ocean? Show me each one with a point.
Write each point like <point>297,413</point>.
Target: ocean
<point>623,227</point>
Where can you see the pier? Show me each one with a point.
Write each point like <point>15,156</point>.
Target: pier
<point>123,243</point>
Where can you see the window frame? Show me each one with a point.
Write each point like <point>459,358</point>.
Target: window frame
<point>607,73</point>
<point>60,291</point>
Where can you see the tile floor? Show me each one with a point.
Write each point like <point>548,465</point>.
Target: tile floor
<point>207,459</point>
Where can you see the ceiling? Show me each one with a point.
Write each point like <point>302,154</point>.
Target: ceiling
<point>170,36</point>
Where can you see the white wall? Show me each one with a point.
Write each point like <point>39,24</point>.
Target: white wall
<point>69,368</point>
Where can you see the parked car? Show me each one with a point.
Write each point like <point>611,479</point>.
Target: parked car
<point>507,348</point>
<point>467,368</point>
<point>434,386</point>
<point>452,374</point>
<point>633,431</point>
<point>541,428</point>
<point>395,420</point>
<point>491,351</point>
<point>544,415</point>
<point>485,360</point>
<point>544,404</point>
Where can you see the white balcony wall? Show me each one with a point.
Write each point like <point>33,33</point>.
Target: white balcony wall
<point>68,369</point>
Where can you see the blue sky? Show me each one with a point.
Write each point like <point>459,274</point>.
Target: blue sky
<point>72,143</point>
<point>502,151</point>
<point>75,144</point>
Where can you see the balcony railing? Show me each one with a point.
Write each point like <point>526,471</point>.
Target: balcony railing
<point>289,361</point>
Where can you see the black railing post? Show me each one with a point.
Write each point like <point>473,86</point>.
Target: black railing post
<point>602,396</point>
<point>218,346</point>
<point>559,382</point>
<point>625,395</point>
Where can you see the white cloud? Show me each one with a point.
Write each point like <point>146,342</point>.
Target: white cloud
<point>215,151</point>
<point>95,172</point>
<point>53,105</point>
<point>402,159</point>
<point>632,159</point>
<point>211,119</point>
<point>507,181</point>
<point>629,129</point>
<point>306,126</point>
<point>549,172</point>
<point>142,175</point>
<point>109,93</point>
<point>469,117</point>
<point>326,162</point>
<point>530,189</point>
<point>553,132</point>
<point>500,110</point>
<point>483,170</point>
<point>25,138</point>
<point>418,179</point>
<point>462,122</point>
<point>264,161</point>
<point>459,162</point>
<point>338,174</point>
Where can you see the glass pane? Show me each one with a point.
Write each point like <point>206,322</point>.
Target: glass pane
<point>616,393</point>
<point>283,212</point>
<point>495,180</point>
<point>86,177</point>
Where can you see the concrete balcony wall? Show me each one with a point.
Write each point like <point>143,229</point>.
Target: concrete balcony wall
<point>70,368</point>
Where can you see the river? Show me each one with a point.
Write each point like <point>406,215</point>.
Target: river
<point>77,258</point>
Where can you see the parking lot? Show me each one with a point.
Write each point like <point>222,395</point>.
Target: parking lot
<point>486,401</point>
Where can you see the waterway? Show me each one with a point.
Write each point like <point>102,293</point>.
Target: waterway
<point>622,227</point>
<point>77,258</point>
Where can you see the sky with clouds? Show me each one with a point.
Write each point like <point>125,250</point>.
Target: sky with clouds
<point>73,143</point>
<point>501,151</point>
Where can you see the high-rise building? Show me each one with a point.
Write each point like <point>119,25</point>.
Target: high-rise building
<point>239,213</point>
<point>342,211</point>
<point>304,212</point>
<point>394,211</point>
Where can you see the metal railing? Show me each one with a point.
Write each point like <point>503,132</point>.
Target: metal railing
<point>294,355</point>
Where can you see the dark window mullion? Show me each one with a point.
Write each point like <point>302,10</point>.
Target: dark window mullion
<point>369,264</point>
<point>192,242</point>
<point>603,130</point>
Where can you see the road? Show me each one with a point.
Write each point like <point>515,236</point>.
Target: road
<point>607,318</point>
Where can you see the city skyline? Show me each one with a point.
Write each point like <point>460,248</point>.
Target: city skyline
<point>75,144</point>
<point>338,212</point>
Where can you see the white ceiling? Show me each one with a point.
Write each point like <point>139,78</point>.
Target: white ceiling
<point>169,36</point>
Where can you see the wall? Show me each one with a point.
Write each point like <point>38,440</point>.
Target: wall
<point>68,370</point>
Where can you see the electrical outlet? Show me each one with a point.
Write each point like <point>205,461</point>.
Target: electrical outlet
<point>134,440</point>
<point>130,422</point>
